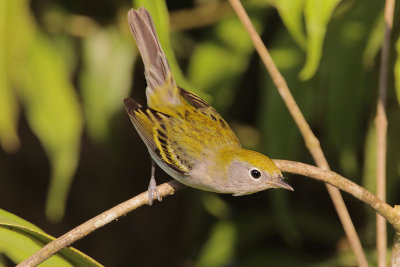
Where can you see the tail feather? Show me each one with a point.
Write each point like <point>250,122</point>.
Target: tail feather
<point>161,88</point>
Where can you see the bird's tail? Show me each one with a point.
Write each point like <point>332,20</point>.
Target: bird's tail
<point>161,87</point>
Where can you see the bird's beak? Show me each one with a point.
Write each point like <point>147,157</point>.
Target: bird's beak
<point>280,183</point>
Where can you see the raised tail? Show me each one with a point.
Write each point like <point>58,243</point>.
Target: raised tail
<point>162,90</point>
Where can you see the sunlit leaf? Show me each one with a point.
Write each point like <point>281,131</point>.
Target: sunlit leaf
<point>217,64</point>
<point>159,12</point>
<point>53,112</point>
<point>105,78</point>
<point>20,239</point>
<point>317,16</point>
<point>219,248</point>
<point>8,105</point>
<point>397,70</point>
<point>8,109</point>
<point>291,12</point>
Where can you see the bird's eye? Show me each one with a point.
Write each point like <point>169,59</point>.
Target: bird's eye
<point>255,173</point>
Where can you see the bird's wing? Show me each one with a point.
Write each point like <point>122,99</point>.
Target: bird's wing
<point>193,99</point>
<point>152,128</point>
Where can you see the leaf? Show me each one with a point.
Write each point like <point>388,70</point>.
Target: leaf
<point>291,12</point>
<point>20,239</point>
<point>159,13</point>
<point>317,16</point>
<point>219,248</point>
<point>8,105</point>
<point>375,40</point>
<point>215,205</point>
<point>397,70</point>
<point>217,64</point>
<point>369,175</point>
<point>105,78</point>
<point>53,112</point>
<point>8,110</point>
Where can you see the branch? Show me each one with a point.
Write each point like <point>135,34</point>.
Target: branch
<point>312,143</point>
<point>166,189</point>
<point>392,215</point>
<point>381,132</point>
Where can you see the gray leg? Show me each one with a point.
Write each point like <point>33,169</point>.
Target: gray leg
<point>152,190</point>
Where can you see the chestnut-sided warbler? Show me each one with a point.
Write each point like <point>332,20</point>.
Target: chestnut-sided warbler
<point>185,136</point>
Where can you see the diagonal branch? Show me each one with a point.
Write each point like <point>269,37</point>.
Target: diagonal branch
<point>312,143</point>
<point>381,133</point>
<point>166,189</point>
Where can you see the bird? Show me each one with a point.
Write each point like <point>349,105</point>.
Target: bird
<point>185,136</point>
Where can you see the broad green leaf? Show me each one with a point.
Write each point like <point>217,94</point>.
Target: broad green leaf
<point>159,13</point>
<point>48,97</point>
<point>20,239</point>
<point>8,105</point>
<point>215,205</point>
<point>375,41</point>
<point>317,16</point>
<point>216,65</point>
<point>219,248</point>
<point>53,112</point>
<point>105,78</point>
<point>291,13</point>
<point>8,109</point>
<point>369,177</point>
<point>397,70</point>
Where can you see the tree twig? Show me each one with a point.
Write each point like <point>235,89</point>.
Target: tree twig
<point>312,143</point>
<point>166,189</point>
<point>97,222</point>
<point>395,260</point>
<point>381,133</point>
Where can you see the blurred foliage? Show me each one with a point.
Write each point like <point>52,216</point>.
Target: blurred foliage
<point>65,68</point>
<point>20,239</point>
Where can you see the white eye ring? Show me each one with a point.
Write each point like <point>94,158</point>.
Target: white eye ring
<point>255,173</point>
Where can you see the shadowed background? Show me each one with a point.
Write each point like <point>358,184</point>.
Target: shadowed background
<point>68,150</point>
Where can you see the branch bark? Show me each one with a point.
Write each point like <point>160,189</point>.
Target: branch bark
<point>166,189</point>
<point>381,133</point>
<point>311,141</point>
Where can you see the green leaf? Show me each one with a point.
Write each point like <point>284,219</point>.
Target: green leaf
<point>317,16</point>
<point>369,175</point>
<point>217,64</point>
<point>291,12</point>
<point>8,108</point>
<point>397,70</point>
<point>105,78</point>
<point>8,105</point>
<point>159,13</point>
<point>20,239</point>
<point>219,248</point>
<point>53,112</point>
<point>215,205</point>
<point>375,41</point>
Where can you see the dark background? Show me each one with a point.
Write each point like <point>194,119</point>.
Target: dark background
<point>272,228</point>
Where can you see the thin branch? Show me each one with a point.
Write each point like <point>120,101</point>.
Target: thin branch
<point>312,143</point>
<point>381,131</point>
<point>395,260</point>
<point>166,189</point>
<point>97,222</point>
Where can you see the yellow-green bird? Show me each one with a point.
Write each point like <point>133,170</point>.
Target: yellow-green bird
<point>186,136</point>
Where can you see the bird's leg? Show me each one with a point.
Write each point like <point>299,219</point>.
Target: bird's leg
<point>152,189</point>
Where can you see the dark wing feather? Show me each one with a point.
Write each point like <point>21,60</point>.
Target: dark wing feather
<point>150,124</point>
<point>193,99</point>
